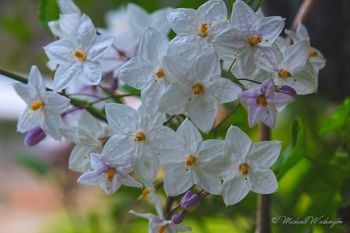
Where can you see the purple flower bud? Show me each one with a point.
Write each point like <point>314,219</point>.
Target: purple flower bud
<point>34,136</point>
<point>178,217</point>
<point>288,90</point>
<point>189,200</point>
<point>113,86</point>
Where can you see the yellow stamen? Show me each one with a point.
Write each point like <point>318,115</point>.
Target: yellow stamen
<point>243,168</point>
<point>190,160</point>
<point>197,89</point>
<point>145,192</point>
<point>36,105</point>
<point>203,30</point>
<point>80,55</point>
<point>261,100</point>
<point>284,74</point>
<point>254,40</point>
<point>313,53</point>
<point>161,229</point>
<point>110,173</point>
<point>160,73</point>
<point>139,136</point>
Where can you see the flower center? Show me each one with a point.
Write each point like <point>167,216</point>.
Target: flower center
<point>139,136</point>
<point>161,229</point>
<point>254,40</point>
<point>160,73</point>
<point>36,105</point>
<point>203,30</point>
<point>190,160</point>
<point>145,192</point>
<point>243,168</point>
<point>197,89</point>
<point>110,173</point>
<point>313,53</point>
<point>261,100</point>
<point>80,55</point>
<point>284,74</point>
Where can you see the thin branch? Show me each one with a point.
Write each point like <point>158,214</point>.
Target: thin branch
<point>13,76</point>
<point>303,12</point>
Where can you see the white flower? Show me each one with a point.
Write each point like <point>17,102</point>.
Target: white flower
<point>199,25</point>
<point>126,26</point>
<point>148,71</point>
<point>157,224</point>
<point>89,137</point>
<point>197,163</point>
<point>109,175</point>
<point>250,170</point>
<point>290,67</point>
<point>197,88</point>
<point>44,108</point>
<point>246,35</point>
<point>316,58</point>
<point>78,56</point>
<point>68,21</point>
<point>139,136</point>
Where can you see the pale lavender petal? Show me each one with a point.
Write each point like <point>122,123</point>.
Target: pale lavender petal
<point>268,117</point>
<point>254,114</point>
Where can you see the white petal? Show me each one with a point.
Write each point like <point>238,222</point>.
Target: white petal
<point>305,81</point>
<point>92,73</point>
<point>26,92</point>
<point>183,21</point>
<point>202,112</point>
<point>205,181</point>
<point>129,181</point>
<point>153,45</point>
<point>237,142</point>
<point>159,21</point>
<point>29,119</point>
<point>264,154</point>
<point>236,189</point>
<point>147,166</point>
<point>86,32</point>
<point>36,80</point>
<point>96,162</point>
<point>270,28</point>
<point>137,73</point>
<point>174,99</point>
<point>120,149</point>
<point>137,16</point>
<point>120,117</point>
<point>263,181</point>
<point>99,47</point>
<point>109,187</point>
<point>60,51</point>
<point>52,123</point>
<point>151,95</point>
<point>177,180</point>
<point>65,75</point>
<point>269,58</point>
<point>89,178</point>
<point>165,141</point>
<point>190,135</point>
<point>225,90</point>
<point>296,55</point>
<point>206,67</point>
<point>214,11</point>
<point>56,102</point>
<point>243,17</point>
<point>247,61</point>
<point>79,159</point>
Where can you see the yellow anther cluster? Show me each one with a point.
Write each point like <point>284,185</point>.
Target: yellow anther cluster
<point>254,40</point>
<point>190,160</point>
<point>244,168</point>
<point>197,89</point>
<point>261,100</point>
<point>80,55</point>
<point>139,136</point>
<point>36,105</point>
<point>284,74</point>
<point>203,30</point>
<point>160,73</point>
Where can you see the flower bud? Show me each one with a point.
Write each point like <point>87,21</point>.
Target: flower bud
<point>178,217</point>
<point>34,136</point>
<point>288,90</point>
<point>189,200</point>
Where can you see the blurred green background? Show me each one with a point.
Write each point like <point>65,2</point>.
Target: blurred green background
<point>39,194</point>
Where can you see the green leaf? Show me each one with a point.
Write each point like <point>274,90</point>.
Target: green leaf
<point>131,90</point>
<point>337,120</point>
<point>33,163</point>
<point>17,27</point>
<point>48,11</point>
<point>292,155</point>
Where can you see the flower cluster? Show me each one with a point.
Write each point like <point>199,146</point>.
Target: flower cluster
<point>181,85</point>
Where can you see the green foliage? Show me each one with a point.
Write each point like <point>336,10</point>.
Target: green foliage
<point>17,27</point>
<point>339,119</point>
<point>33,163</point>
<point>294,153</point>
<point>48,11</point>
